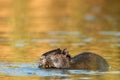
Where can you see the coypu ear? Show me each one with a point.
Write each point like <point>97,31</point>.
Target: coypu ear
<point>66,52</point>
<point>59,51</point>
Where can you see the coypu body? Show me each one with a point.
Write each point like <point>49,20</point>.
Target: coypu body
<point>89,61</point>
<point>61,59</point>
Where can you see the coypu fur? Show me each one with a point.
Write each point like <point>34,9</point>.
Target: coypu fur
<point>61,59</point>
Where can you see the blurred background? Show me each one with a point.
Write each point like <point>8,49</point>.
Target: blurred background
<point>28,28</point>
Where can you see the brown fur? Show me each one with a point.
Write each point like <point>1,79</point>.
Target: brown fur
<point>61,59</point>
<point>89,61</point>
<point>55,59</point>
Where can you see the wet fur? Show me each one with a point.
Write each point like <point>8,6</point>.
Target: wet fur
<point>61,59</point>
<point>55,59</point>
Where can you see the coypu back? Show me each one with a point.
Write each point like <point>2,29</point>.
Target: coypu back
<point>89,61</point>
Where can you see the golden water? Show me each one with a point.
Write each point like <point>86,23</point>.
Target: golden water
<point>28,28</point>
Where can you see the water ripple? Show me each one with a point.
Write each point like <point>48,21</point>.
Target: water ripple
<point>31,69</point>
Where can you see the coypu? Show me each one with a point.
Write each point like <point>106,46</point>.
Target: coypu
<point>61,59</point>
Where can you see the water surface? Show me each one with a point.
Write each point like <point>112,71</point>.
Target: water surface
<point>20,59</point>
<point>29,28</point>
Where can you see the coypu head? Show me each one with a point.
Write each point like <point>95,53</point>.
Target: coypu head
<point>55,59</point>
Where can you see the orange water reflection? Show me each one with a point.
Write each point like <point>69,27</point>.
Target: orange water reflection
<point>31,27</point>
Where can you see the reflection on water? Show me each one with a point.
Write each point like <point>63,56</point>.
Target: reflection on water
<point>31,69</point>
<point>25,69</point>
<point>22,62</point>
<point>114,33</point>
<point>28,28</point>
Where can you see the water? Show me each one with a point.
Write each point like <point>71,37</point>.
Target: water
<point>31,69</point>
<point>29,28</point>
<point>21,60</point>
